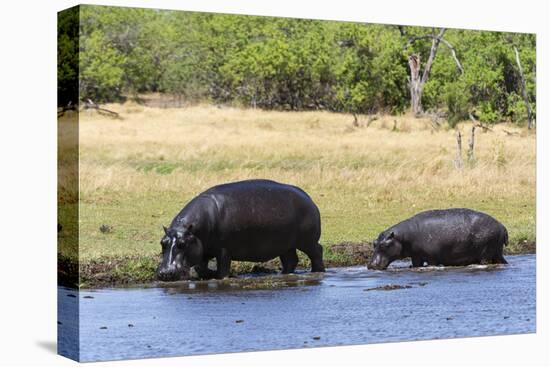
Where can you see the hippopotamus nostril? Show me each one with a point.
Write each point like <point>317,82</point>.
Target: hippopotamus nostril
<point>167,275</point>
<point>163,274</point>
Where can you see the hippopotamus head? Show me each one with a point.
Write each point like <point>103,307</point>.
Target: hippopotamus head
<point>181,250</point>
<point>387,248</point>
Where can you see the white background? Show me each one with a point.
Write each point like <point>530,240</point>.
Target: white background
<point>28,182</point>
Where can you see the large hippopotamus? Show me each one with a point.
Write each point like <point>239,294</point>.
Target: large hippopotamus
<point>253,220</point>
<point>452,237</point>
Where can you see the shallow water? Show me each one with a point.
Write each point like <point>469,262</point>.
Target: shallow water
<point>343,306</point>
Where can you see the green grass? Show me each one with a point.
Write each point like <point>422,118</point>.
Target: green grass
<point>137,222</point>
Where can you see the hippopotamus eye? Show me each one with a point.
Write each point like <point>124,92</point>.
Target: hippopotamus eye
<point>188,235</point>
<point>181,244</point>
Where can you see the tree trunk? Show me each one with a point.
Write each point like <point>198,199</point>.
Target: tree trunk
<point>415,84</point>
<point>458,161</point>
<point>416,81</point>
<point>524,91</point>
<point>471,156</point>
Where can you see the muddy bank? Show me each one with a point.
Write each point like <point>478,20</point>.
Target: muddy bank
<point>132,270</point>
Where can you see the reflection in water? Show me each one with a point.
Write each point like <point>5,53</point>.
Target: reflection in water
<point>305,310</point>
<point>248,282</point>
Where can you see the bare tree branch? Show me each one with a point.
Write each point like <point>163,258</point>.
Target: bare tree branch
<point>441,39</point>
<point>453,53</point>
<point>478,123</point>
<point>433,52</point>
<point>89,104</point>
<point>510,133</point>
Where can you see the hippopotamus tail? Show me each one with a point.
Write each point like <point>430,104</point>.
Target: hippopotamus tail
<point>505,242</point>
<point>499,259</point>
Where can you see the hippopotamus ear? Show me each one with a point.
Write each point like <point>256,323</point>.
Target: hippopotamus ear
<point>391,235</point>
<point>165,230</point>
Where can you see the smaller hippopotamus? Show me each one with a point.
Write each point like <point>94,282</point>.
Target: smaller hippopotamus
<point>450,237</point>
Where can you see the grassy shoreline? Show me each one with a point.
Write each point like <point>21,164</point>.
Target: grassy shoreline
<point>131,271</point>
<point>138,171</point>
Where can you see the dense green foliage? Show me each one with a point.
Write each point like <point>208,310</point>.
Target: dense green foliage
<point>295,64</point>
<point>67,57</point>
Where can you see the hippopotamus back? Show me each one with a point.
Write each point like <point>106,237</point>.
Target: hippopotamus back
<point>256,217</point>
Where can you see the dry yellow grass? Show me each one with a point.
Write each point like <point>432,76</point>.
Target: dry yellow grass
<point>136,173</point>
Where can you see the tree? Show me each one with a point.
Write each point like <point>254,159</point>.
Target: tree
<point>370,71</point>
<point>101,69</point>
<point>416,80</point>
<point>67,57</point>
<point>298,64</point>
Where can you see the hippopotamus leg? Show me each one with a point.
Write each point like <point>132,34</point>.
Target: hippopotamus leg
<point>203,271</point>
<point>433,262</point>
<point>499,259</point>
<point>417,262</point>
<point>315,253</point>
<point>289,260</point>
<point>223,261</point>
